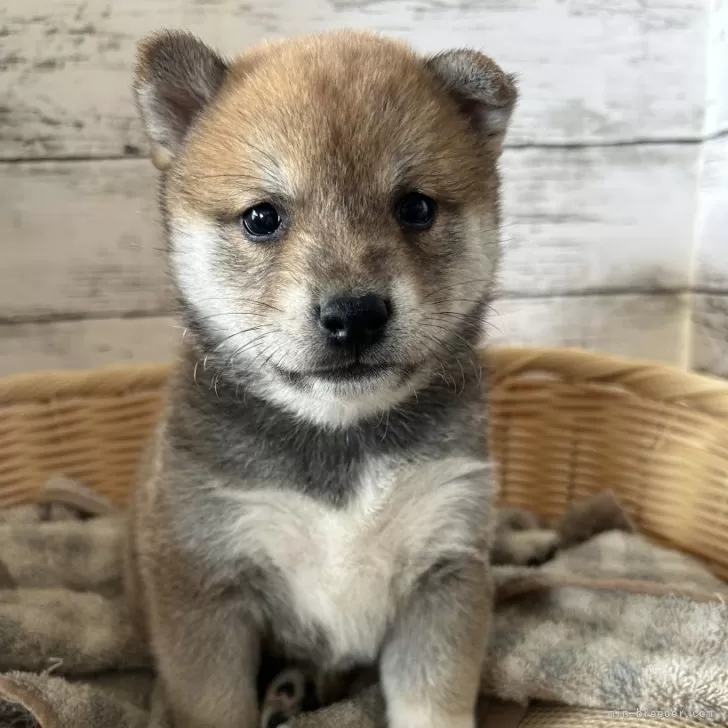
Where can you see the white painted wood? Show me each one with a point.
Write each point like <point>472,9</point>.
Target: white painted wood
<point>85,344</point>
<point>711,264</point>
<point>709,345</point>
<point>619,218</point>
<point>641,326</point>
<point>716,110</point>
<point>634,325</point>
<point>594,70</point>
<point>80,238</point>
<point>83,238</point>
<point>709,332</point>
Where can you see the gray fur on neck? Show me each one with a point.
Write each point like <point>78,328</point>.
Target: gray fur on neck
<point>221,423</point>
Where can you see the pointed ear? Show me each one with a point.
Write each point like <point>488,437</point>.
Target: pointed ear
<point>176,76</point>
<point>486,95</point>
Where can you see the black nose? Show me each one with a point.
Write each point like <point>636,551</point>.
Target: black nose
<point>354,323</point>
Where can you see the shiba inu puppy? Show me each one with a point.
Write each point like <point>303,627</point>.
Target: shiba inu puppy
<point>319,484</point>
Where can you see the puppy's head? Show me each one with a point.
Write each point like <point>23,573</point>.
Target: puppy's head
<point>332,209</point>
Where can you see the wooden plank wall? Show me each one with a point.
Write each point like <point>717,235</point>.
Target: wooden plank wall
<point>616,171</point>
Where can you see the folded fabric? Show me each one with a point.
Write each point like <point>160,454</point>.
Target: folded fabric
<point>588,613</point>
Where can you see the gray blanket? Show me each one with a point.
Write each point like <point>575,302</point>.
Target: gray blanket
<point>589,613</point>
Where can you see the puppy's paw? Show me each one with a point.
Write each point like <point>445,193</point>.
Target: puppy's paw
<point>525,548</point>
<point>543,547</point>
<point>407,715</point>
<point>277,720</point>
<point>288,695</point>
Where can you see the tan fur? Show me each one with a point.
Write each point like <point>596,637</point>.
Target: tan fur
<point>285,101</point>
<point>333,128</point>
<point>288,123</point>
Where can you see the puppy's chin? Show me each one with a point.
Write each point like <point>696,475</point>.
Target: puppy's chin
<point>340,399</point>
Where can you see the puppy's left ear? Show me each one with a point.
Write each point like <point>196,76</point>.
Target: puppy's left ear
<point>486,95</point>
<point>176,77</point>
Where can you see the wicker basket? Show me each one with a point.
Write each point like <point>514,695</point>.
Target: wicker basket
<point>564,424</point>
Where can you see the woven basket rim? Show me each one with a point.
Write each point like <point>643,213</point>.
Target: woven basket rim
<point>70,383</point>
<point>649,379</point>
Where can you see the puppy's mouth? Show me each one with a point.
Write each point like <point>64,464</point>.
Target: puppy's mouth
<point>355,370</point>
<point>350,372</point>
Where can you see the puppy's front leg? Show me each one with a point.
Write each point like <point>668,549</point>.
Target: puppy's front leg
<point>208,661</point>
<point>431,666</point>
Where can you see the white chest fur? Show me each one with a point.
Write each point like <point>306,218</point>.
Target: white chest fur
<point>348,569</point>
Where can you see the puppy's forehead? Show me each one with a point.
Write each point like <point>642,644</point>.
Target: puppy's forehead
<point>325,109</point>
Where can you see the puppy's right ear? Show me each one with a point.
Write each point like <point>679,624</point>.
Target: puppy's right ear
<point>485,94</point>
<point>176,76</point>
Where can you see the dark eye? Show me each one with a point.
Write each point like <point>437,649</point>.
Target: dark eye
<point>416,211</point>
<point>260,221</point>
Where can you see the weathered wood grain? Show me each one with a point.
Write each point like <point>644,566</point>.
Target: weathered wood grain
<point>711,255</point>
<point>716,110</point>
<point>85,344</point>
<point>614,219</point>
<point>590,71</point>
<point>640,326</point>
<point>79,239</point>
<point>83,238</point>
<point>709,307</point>
<point>650,326</point>
<point>709,339</point>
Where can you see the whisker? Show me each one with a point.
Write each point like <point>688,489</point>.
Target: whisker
<point>457,359</point>
<point>231,359</point>
<point>232,175</point>
<point>386,424</point>
<point>462,373</point>
<point>231,313</point>
<point>477,369</point>
<point>278,363</point>
<point>439,344</point>
<point>456,285</point>
<point>246,300</point>
<point>276,349</point>
<point>226,339</point>
<point>456,314</point>
<point>490,326</point>
<point>454,333</point>
<point>471,301</point>
<point>239,351</point>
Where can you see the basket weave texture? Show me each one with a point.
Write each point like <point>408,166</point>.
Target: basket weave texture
<point>564,424</point>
